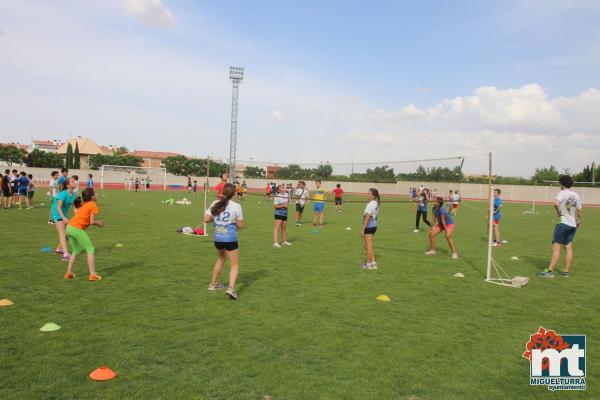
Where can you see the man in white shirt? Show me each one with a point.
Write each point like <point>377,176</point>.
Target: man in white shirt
<point>568,208</point>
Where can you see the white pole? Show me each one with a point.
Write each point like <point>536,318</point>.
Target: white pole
<point>165,180</point>
<point>206,190</point>
<point>102,177</point>
<point>534,194</point>
<point>491,220</point>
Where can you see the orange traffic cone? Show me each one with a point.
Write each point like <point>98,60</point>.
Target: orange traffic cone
<point>102,374</point>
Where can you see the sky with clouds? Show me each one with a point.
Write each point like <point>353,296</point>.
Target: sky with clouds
<point>333,81</point>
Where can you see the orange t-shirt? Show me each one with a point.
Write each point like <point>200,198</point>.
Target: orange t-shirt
<point>219,189</point>
<point>81,220</point>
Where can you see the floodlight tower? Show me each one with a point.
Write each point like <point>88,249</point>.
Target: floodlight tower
<point>236,75</point>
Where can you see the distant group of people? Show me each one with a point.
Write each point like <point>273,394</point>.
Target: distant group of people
<point>137,184</point>
<point>15,188</point>
<point>240,188</point>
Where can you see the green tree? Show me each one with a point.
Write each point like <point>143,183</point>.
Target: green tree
<point>120,150</point>
<point>184,166</point>
<point>69,156</point>
<point>254,172</point>
<point>12,154</point>
<point>545,174</point>
<point>323,171</point>
<point>76,157</point>
<point>98,160</point>
<point>42,159</point>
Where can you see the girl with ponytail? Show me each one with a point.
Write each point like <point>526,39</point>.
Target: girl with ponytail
<point>370,227</point>
<point>227,218</point>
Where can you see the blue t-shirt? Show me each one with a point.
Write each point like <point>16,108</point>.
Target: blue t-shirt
<point>67,201</point>
<point>497,204</point>
<point>438,215</point>
<point>23,183</point>
<point>61,180</point>
<point>90,183</point>
<point>422,204</point>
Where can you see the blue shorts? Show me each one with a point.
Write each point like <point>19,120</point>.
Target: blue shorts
<point>318,207</point>
<point>563,234</point>
<point>22,192</point>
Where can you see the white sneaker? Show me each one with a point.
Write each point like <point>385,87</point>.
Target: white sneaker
<point>286,243</point>
<point>430,253</point>
<point>276,245</point>
<point>455,255</point>
<point>415,231</point>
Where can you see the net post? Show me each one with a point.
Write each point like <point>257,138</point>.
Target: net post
<point>206,191</point>
<point>534,194</point>
<point>490,220</point>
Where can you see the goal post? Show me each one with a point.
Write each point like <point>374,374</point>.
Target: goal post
<point>125,176</point>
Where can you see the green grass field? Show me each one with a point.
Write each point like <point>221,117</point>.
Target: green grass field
<point>307,325</point>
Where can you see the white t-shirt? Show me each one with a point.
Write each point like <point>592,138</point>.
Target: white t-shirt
<point>224,225</point>
<point>301,196</point>
<point>569,203</point>
<point>455,198</point>
<point>373,209</point>
<point>53,187</point>
<point>281,199</point>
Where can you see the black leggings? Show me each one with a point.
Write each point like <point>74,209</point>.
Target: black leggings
<point>424,214</point>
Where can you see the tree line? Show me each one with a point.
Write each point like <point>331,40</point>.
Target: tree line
<point>185,166</point>
<point>12,154</point>
<point>386,174</point>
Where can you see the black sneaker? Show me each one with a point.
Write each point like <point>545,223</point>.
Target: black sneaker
<point>564,274</point>
<point>231,293</point>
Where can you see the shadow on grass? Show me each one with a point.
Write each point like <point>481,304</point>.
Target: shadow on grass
<point>473,266</point>
<point>248,278</point>
<point>117,268</point>
<point>535,262</point>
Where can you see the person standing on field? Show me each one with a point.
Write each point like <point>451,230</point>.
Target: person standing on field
<point>568,208</point>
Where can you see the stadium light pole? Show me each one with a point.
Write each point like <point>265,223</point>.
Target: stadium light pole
<point>236,75</point>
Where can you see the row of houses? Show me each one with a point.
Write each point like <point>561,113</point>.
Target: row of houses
<point>87,147</point>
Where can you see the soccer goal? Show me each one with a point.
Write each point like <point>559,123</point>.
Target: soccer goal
<point>126,177</point>
<point>534,200</point>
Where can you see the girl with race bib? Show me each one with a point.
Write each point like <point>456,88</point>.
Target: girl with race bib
<point>227,217</point>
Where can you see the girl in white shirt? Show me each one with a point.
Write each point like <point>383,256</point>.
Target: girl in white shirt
<point>227,218</point>
<point>281,202</point>
<point>369,227</point>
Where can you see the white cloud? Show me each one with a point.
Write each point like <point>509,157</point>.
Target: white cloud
<point>523,126</point>
<point>150,12</point>
<point>423,90</point>
<point>278,115</point>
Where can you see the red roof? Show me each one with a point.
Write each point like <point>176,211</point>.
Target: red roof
<point>45,143</point>
<point>17,145</point>
<point>161,155</point>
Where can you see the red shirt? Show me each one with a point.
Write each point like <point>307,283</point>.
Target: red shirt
<point>338,193</point>
<point>219,189</point>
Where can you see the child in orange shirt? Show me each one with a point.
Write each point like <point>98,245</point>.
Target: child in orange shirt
<point>78,239</point>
